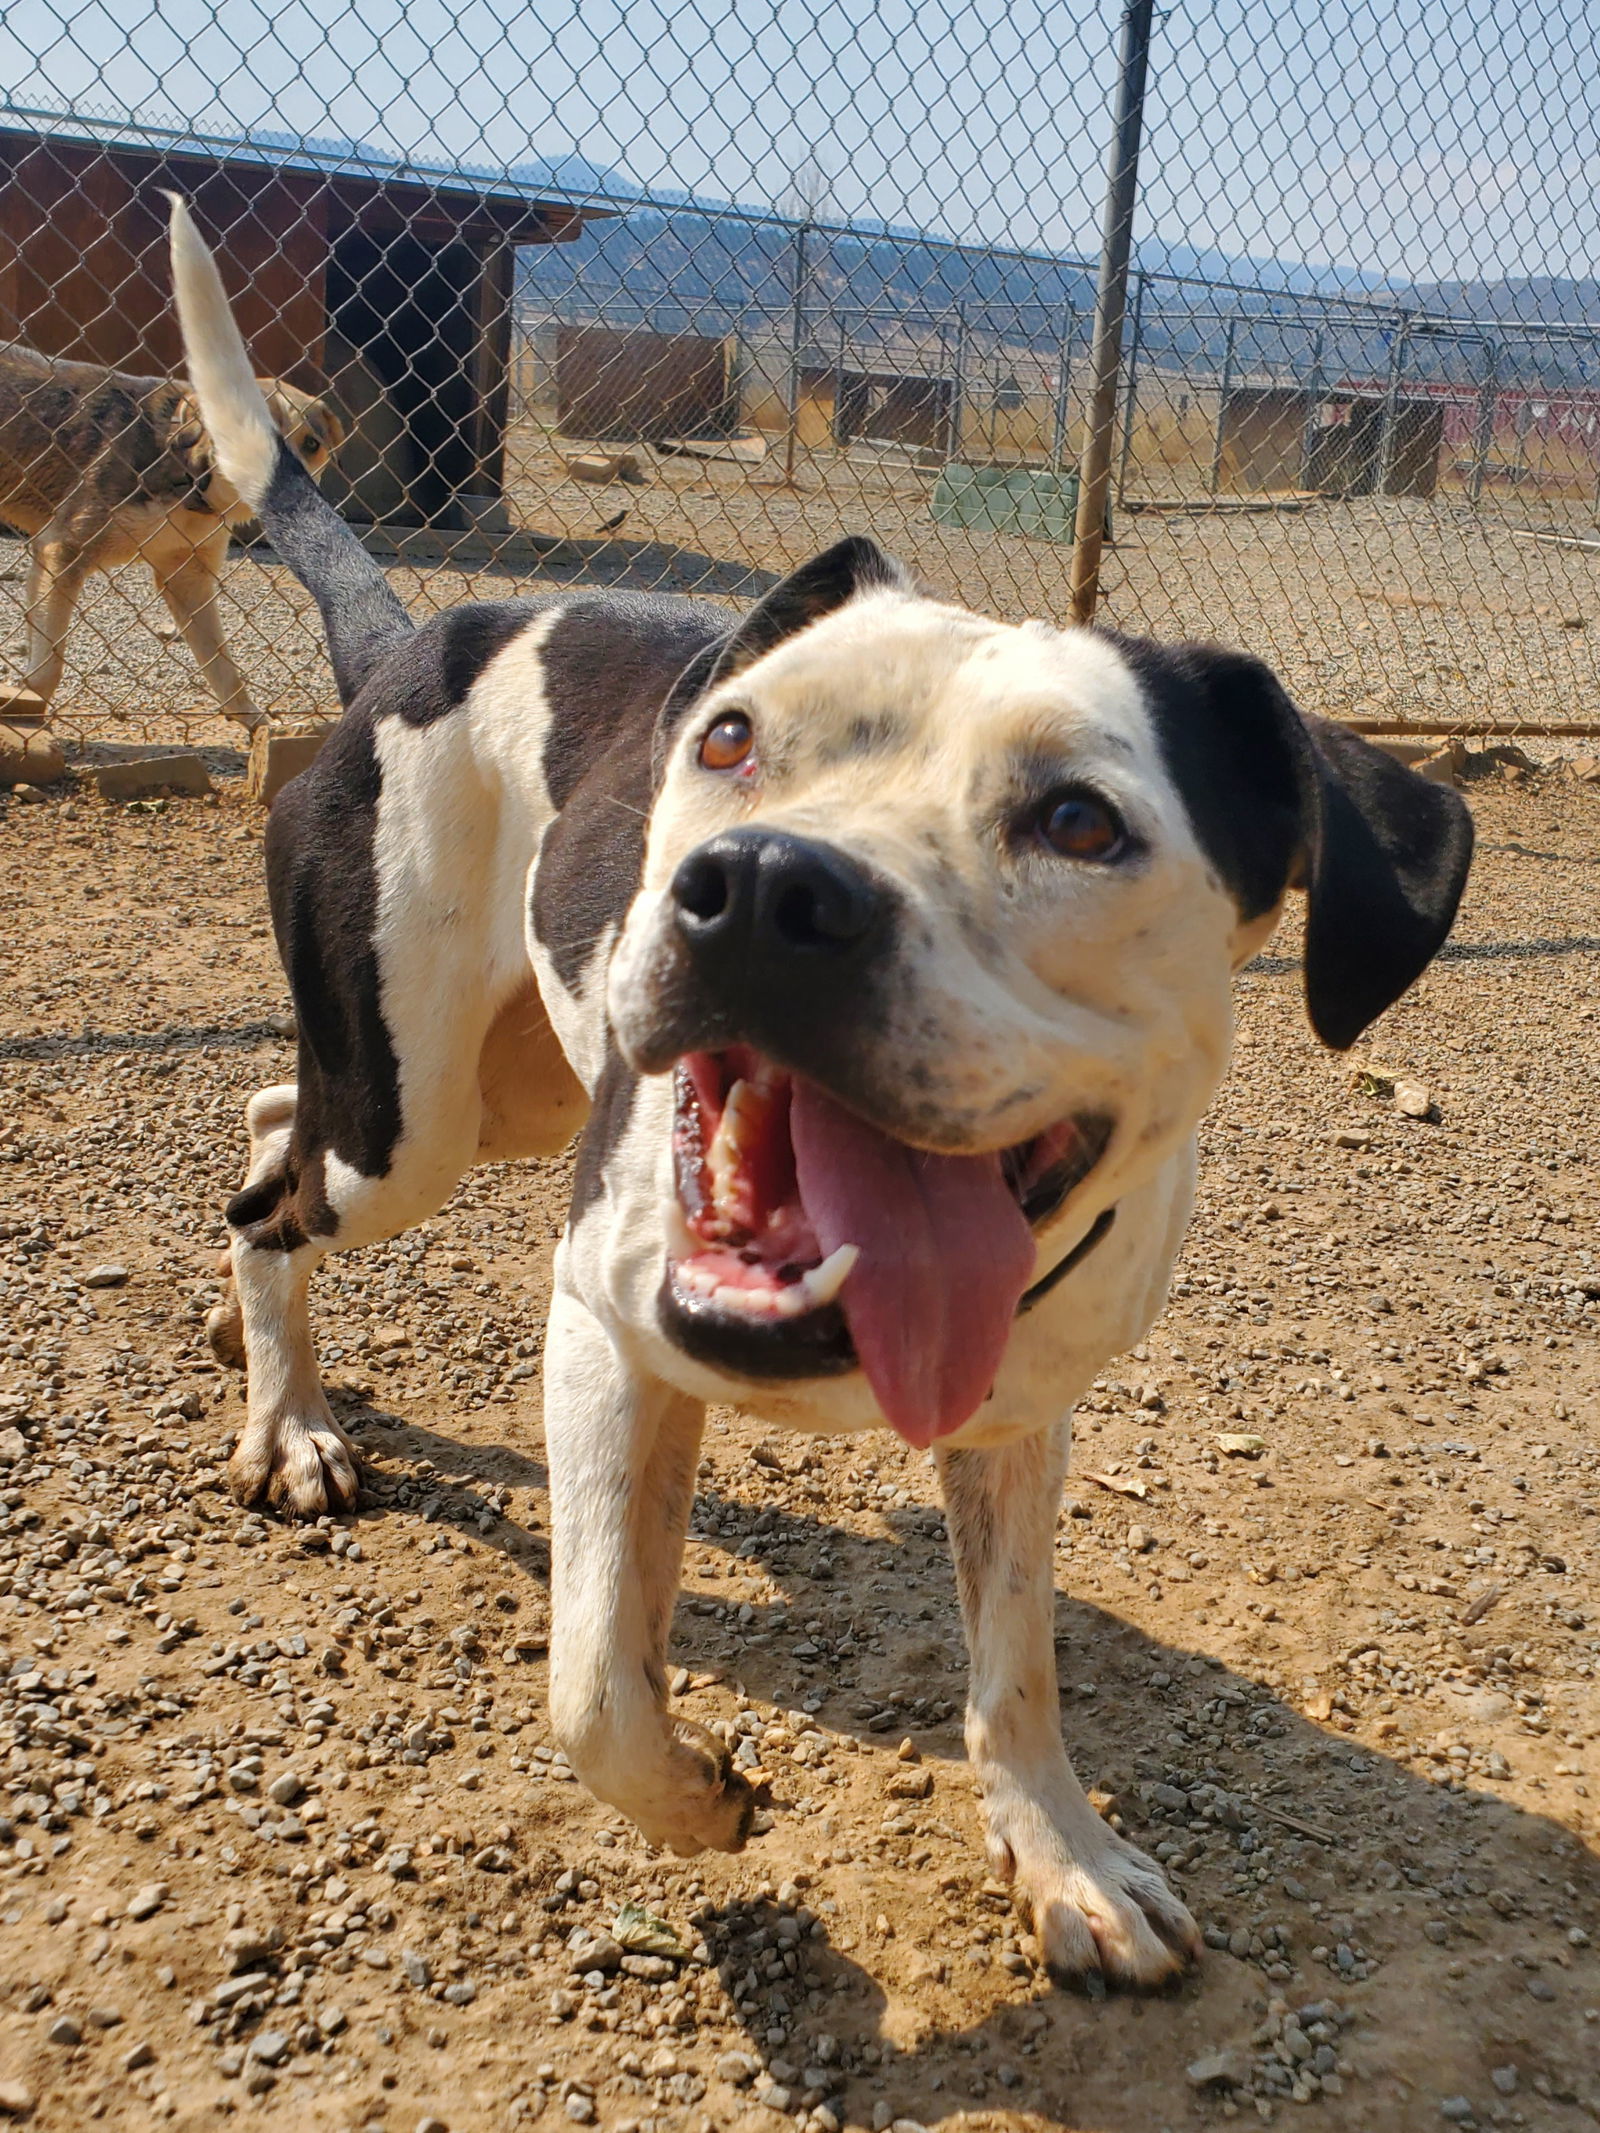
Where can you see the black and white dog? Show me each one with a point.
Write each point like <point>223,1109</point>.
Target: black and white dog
<point>886,952</point>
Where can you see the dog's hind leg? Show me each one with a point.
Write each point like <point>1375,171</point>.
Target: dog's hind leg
<point>623,1451</point>
<point>186,577</point>
<point>1101,1909</point>
<point>301,1202</point>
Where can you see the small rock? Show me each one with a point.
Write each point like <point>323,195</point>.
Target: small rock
<point>430,2124</point>
<point>1458,2109</point>
<point>739,2068</point>
<point>1214,2069</point>
<point>16,2101</point>
<point>145,1902</point>
<point>418,1970</point>
<point>109,1276</point>
<point>246,1949</point>
<point>580,2108</point>
<point>1505,2080</point>
<point>238,1988</point>
<point>141,2055</point>
<point>63,2030</point>
<point>104,2018</point>
<point>286,1789</point>
<point>270,2046</point>
<point>13,1446</point>
<point>602,1953</point>
<point>1412,1100</point>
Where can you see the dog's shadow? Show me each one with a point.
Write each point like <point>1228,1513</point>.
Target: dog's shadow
<point>1421,1929</point>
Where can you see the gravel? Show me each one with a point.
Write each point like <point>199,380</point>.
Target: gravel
<point>381,1895</point>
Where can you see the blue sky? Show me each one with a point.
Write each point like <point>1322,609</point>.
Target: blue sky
<point>1386,135</point>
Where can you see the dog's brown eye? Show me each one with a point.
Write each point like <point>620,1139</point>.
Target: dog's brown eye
<point>728,744</point>
<point>1076,825</point>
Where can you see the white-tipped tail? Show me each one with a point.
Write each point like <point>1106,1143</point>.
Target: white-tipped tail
<point>243,433</point>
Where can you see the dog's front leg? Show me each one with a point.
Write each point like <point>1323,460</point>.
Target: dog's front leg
<point>623,1451</point>
<point>1100,1908</point>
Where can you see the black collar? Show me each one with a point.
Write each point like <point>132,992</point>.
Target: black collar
<point>1098,1231</point>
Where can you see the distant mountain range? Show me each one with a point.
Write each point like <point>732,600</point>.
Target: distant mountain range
<point>703,268</point>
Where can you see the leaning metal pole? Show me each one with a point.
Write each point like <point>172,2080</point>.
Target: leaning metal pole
<point>1111,298</point>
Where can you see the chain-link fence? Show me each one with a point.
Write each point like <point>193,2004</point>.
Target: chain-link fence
<point>671,295</point>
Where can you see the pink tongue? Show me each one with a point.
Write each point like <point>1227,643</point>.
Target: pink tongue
<point>945,1256</point>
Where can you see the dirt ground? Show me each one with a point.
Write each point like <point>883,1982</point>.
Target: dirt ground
<point>285,1838</point>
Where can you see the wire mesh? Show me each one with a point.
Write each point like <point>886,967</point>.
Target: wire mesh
<point>671,295</point>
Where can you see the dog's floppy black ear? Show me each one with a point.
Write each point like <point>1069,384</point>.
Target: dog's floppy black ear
<point>1386,861</point>
<point>850,567</point>
<point>1279,801</point>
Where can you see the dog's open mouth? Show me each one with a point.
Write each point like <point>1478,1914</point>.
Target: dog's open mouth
<point>817,1242</point>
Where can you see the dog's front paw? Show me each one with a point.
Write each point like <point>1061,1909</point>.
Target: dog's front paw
<point>702,1803</point>
<point>302,1467</point>
<point>1101,1911</point>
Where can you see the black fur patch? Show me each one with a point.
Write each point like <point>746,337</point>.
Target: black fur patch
<point>433,674</point>
<point>361,612</point>
<point>608,1122</point>
<point>1276,798</point>
<point>322,884</point>
<point>610,662</point>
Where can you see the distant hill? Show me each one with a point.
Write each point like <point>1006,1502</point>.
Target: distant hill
<point>1526,300</point>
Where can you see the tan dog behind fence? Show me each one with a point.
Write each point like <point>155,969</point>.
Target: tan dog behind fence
<point>101,468</point>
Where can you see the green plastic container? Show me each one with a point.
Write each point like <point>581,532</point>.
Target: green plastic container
<point>1036,500</point>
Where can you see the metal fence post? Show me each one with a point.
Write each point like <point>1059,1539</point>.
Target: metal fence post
<point>1105,361</point>
<point>1316,385</point>
<point>1483,440</point>
<point>1131,389</point>
<point>957,387</point>
<point>1224,387</point>
<point>796,335</point>
<point>1389,420</point>
<point>1060,442</point>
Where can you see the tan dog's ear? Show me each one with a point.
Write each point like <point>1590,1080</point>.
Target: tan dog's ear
<point>191,441</point>
<point>327,422</point>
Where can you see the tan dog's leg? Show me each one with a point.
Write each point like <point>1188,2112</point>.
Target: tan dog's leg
<point>1100,1908</point>
<point>55,580</point>
<point>187,580</point>
<point>623,1452</point>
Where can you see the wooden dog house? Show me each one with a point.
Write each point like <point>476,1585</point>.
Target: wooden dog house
<point>387,284</point>
<point>1284,437</point>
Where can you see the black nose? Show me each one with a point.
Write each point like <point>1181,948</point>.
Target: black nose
<point>759,893</point>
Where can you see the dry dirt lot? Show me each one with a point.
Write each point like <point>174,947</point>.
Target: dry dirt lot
<point>283,1839</point>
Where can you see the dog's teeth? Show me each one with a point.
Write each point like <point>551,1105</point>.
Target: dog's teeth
<point>823,1283</point>
<point>722,1157</point>
<point>751,1303</point>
